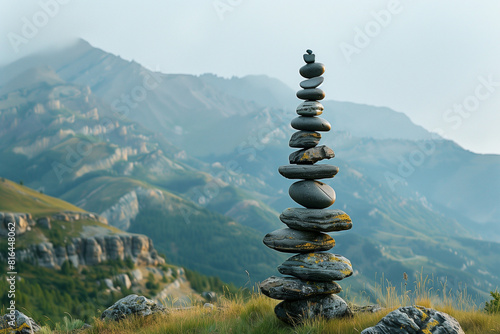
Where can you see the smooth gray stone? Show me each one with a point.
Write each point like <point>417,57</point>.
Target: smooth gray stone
<point>308,172</point>
<point>288,240</point>
<point>416,319</point>
<point>312,83</point>
<point>297,311</point>
<point>312,155</point>
<point>310,108</point>
<point>312,194</point>
<point>309,57</point>
<point>323,267</point>
<point>305,139</point>
<point>311,94</point>
<point>325,220</point>
<point>310,124</point>
<point>312,70</point>
<point>292,288</point>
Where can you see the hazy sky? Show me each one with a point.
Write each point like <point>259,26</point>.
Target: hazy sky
<point>436,61</point>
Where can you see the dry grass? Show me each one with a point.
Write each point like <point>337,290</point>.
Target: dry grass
<point>256,315</point>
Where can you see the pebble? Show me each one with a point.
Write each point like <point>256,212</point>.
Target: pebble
<point>312,194</point>
<point>317,267</point>
<point>292,288</point>
<point>310,108</point>
<point>324,220</point>
<point>308,172</point>
<point>312,70</point>
<point>311,94</point>
<point>311,155</point>
<point>288,240</point>
<point>310,124</point>
<point>312,83</point>
<point>305,139</point>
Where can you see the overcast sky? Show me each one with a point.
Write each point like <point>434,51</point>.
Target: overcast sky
<point>436,61</point>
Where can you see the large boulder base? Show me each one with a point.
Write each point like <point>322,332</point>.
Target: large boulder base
<point>416,320</point>
<point>132,305</point>
<point>297,311</point>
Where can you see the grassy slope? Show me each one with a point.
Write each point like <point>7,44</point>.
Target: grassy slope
<point>17,198</point>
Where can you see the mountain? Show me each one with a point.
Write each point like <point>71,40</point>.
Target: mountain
<point>58,137</point>
<point>192,162</point>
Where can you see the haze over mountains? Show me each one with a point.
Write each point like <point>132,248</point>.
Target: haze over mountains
<point>192,163</point>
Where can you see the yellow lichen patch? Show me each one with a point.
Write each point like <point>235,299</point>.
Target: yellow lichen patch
<point>430,325</point>
<point>346,272</point>
<point>14,330</point>
<point>343,217</point>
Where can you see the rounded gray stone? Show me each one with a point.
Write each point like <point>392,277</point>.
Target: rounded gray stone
<point>311,94</point>
<point>308,172</point>
<point>312,155</point>
<point>288,240</point>
<point>312,83</point>
<point>312,194</point>
<point>305,139</point>
<point>292,288</point>
<point>297,311</point>
<point>310,124</point>
<point>324,220</point>
<point>323,267</point>
<point>310,108</point>
<point>309,57</point>
<point>416,319</point>
<point>312,70</point>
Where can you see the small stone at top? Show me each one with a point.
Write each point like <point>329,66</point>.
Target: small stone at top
<point>309,57</point>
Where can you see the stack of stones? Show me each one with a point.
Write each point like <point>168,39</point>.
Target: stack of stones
<point>310,291</point>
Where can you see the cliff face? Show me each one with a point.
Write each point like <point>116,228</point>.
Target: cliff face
<point>94,250</point>
<point>81,250</point>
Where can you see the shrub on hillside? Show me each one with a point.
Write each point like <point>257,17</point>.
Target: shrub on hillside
<point>493,306</point>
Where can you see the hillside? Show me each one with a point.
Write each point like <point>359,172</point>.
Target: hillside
<point>71,261</point>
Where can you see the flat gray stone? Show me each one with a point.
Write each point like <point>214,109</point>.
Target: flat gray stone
<point>297,311</point>
<point>310,124</point>
<point>312,83</point>
<point>308,172</point>
<point>304,139</point>
<point>416,320</point>
<point>325,220</point>
<point>311,94</point>
<point>288,240</point>
<point>292,288</point>
<point>312,155</point>
<point>310,108</point>
<point>312,194</point>
<point>312,70</point>
<point>323,267</point>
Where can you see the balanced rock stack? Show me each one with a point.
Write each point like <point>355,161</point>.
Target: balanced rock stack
<point>310,290</point>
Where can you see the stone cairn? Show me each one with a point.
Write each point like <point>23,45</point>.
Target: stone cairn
<point>311,291</point>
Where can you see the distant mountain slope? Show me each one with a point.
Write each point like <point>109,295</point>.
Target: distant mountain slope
<point>145,128</point>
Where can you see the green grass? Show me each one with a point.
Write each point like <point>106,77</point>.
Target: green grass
<point>17,198</point>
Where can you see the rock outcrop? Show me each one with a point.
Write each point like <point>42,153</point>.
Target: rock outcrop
<point>132,305</point>
<point>22,323</point>
<point>94,250</point>
<point>416,320</point>
<point>22,221</point>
